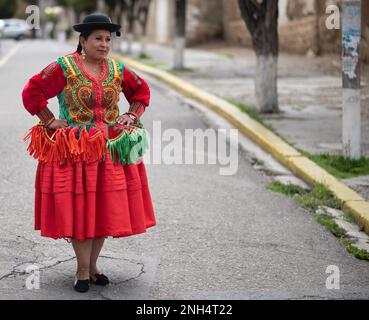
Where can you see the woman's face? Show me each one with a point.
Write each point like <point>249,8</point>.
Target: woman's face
<point>97,45</point>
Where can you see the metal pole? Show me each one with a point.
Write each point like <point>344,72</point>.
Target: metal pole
<point>351,112</point>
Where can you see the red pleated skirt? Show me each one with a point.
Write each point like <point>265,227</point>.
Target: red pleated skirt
<point>92,200</point>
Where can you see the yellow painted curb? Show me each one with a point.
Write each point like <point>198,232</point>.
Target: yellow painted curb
<point>310,172</point>
<point>306,169</point>
<point>360,211</point>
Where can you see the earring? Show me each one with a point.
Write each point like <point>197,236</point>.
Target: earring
<point>83,53</point>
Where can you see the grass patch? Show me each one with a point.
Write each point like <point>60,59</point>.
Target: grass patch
<point>340,233</point>
<point>151,64</point>
<point>349,217</point>
<point>147,60</point>
<point>252,114</point>
<point>308,199</point>
<point>348,242</point>
<point>327,221</point>
<point>318,196</point>
<point>312,200</point>
<point>358,253</point>
<point>228,55</point>
<point>339,166</point>
<point>144,56</point>
<point>176,71</point>
<point>157,65</point>
<point>287,189</point>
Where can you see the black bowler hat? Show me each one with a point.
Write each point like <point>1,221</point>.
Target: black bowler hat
<point>95,21</point>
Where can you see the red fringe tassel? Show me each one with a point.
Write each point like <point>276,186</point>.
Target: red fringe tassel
<point>63,146</point>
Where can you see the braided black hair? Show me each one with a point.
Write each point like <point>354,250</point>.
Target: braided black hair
<point>84,34</point>
<point>79,48</point>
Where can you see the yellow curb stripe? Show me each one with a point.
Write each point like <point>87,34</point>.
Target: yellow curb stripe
<point>310,172</point>
<point>360,211</point>
<point>303,167</point>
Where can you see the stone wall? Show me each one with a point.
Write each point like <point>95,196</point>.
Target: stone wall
<point>297,9</point>
<point>204,20</point>
<point>301,27</point>
<point>299,35</point>
<point>304,30</point>
<point>235,31</point>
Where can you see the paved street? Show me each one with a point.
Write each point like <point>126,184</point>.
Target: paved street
<point>217,237</point>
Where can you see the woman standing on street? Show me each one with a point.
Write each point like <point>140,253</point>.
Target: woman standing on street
<point>91,182</point>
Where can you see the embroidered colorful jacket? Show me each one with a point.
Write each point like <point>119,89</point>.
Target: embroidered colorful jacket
<point>90,105</point>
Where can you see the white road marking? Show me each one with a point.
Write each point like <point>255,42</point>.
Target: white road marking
<point>9,54</point>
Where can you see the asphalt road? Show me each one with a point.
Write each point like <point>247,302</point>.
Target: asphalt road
<point>217,236</point>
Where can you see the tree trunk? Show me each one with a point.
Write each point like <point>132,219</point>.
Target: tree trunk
<point>261,19</point>
<point>122,15</point>
<point>266,83</point>
<point>130,35</point>
<point>129,43</point>
<point>179,48</point>
<point>180,38</point>
<point>115,15</point>
<point>131,19</point>
<point>144,37</point>
<point>143,45</point>
<point>143,14</point>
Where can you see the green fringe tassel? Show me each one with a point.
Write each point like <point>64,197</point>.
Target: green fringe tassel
<point>129,147</point>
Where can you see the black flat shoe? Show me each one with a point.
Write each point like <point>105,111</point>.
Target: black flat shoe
<point>101,279</point>
<point>81,285</point>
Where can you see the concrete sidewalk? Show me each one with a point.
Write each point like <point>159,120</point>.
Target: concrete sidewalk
<point>309,93</point>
